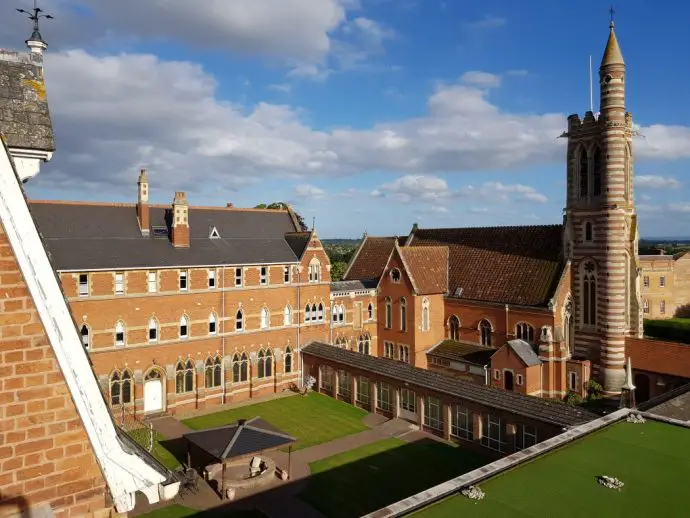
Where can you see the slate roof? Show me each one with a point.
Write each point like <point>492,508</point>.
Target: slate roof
<point>427,267</point>
<point>371,257</point>
<point>658,356</point>
<point>525,352</point>
<point>352,285</point>
<point>462,352</point>
<point>89,236</point>
<point>674,404</point>
<point>24,115</point>
<point>298,241</point>
<point>239,439</point>
<point>510,265</point>
<point>544,410</point>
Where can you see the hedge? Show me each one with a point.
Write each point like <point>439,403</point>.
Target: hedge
<point>674,330</point>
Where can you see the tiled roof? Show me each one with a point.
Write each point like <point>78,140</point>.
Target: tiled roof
<point>427,266</point>
<point>104,236</point>
<point>371,257</point>
<point>544,410</point>
<point>462,352</point>
<point>525,352</point>
<point>657,356</point>
<point>512,265</point>
<point>239,439</point>
<point>24,115</point>
<point>674,404</point>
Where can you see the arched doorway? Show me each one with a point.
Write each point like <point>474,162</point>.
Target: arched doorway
<point>508,380</point>
<point>641,388</point>
<point>153,391</point>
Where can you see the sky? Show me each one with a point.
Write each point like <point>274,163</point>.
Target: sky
<point>365,115</point>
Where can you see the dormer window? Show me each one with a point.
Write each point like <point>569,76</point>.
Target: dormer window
<point>395,275</point>
<point>213,233</point>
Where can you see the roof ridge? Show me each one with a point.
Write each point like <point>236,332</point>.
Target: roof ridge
<point>549,225</point>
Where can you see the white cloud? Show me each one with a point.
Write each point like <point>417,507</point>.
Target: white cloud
<point>682,207</point>
<point>488,22</point>
<point>481,79</point>
<point>281,87</point>
<point>308,191</point>
<point>664,142</point>
<point>656,182</point>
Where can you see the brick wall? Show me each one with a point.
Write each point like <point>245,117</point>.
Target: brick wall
<point>45,455</point>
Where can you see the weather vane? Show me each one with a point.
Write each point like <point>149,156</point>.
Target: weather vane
<point>35,17</point>
<point>612,11</point>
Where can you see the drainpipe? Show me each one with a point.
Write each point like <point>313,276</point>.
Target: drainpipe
<point>507,310</point>
<point>222,336</point>
<point>486,374</point>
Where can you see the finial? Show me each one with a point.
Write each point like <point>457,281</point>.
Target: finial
<point>313,223</point>
<point>612,11</point>
<point>35,41</point>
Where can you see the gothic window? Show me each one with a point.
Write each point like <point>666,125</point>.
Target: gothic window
<point>84,332</point>
<point>583,172</point>
<point>525,332</point>
<point>589,294</point>
<point>307,313</point>
<point>153,330</point>
<point>645,306</point>
<point>319,312</point>
<point>213,370</point>
<point>184,327</point>
<point>370,311</point>
<point>364,343</point>
<point>264,364</point>
<point>485,332</point>
<point>313,312</point>
<point>287,363</point>
<point>239,368</point>
<point>184,376</point>
<point>120,388</point>
<point>389,313</point>
<point>239,320</point>
<point>287,316</point>
<point>395,275</point>
<point>597,172</point>
<point>341,313</point>
<point>264,318</point>
<point>212,324</point>
<point>403,314</point>
<point>454,328</point>
<point>425,315</point>
<point>568,327</point>
<point>588,231</point>
<point>341,342</point>
<point>119,334</point>
<point>314,270</point>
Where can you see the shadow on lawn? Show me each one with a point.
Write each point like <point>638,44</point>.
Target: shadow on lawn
<point>345,487</point>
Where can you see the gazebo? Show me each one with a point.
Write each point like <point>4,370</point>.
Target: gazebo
<point>215,448</point>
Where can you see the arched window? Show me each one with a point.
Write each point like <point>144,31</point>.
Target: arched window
<point>319,312</point>
<point>583,172</point>
<point>119,334</point>
<point>214,369</point>
<point>314,270</point>
<point>454,328</point>
<point>645,306</point>
<point>184,376</point>
<point>525,332</point>
<point>239,320</point>
<point>264,318</point>
<point>485,332</point>
<point>85,338</point>
<point>364,343</point>
<point>341,313</point>
<point>313,312</point>
<point>264,364</point>
<point>403,314</point>
<point>244,367</point>
<point>389,313</point>
<point>120,388</point>
<point>395,275</point>
<point>153,330</point>
<point>184,326</point>
<point>287,363</point>
<point>588,231</point>
<point>307,313</point>
<point>370,311</point>
<point>425,314</point>
<point>589,294</point>
<point>597,166</point>
<point>236,368</point>
<point>287,316</point>
<point>341,342</point>
<point>212,324</point>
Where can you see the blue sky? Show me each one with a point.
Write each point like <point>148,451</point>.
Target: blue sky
<point>365,114</point>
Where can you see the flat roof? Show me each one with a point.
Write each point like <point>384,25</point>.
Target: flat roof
<point>651,459</point>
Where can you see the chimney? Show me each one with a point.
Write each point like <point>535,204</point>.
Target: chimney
<point>143,203</point>
<point>179,234</point>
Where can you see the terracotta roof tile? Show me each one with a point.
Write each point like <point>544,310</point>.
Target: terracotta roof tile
<point>512,265</point>
<point>370,259</point>
<point>661,357</point>
<point>428,268</point>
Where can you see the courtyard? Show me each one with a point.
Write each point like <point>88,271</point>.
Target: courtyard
<point>651,459</point>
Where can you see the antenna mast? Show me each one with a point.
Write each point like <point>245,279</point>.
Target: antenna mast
<point>591,86</point>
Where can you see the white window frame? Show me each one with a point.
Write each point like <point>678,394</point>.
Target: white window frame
<point>388,350</point>
<point>460,422</point>
<point>432,413</point>
<point>384,401</point>
<point>662,281</point>
<point>572,381</point>
<point>519,380</point>
<point>184,327</point>
<point>119,283</point>
<point>528,438</point>
<point>645,306</point>
<point>491,428</point>
<point>212,279</point>
<point>319,312</point>
<point>287,316</point>
<point>389,313</point>
<point>263,275</point>
<point>497,374</point>
<point>404,353</point>
<point>408,400</point>
<point>239,321</point>
<point>286,275</point>
<point>403,315</point>
<point>662,307</point>
<point>85,338</point>
<point>212,320</point>
<point>152,281</point>
<point>265,318</point>
<point>239,276</point>
<point>153,328</point>
<point>120,329</point>
<point>83,281</point>
<point>426,315</point>
<point>183,280</point>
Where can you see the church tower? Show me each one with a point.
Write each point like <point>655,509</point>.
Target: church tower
<point>601,227</point>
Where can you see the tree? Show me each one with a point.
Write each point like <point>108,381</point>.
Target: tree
<point>338,270</point>
<point>279,205</point>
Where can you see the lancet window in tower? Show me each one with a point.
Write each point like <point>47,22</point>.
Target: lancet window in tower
<point>583,173</point>
<point>589,295</point>
<point>597,167</point>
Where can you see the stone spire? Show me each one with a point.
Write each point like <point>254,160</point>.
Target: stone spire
<point>612,53</point>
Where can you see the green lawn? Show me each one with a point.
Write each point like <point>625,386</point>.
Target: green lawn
<point>179,511</point>
<point>651,459</point>
<point>312,419</point>
<point>365,479</point>
<point>161,453</point>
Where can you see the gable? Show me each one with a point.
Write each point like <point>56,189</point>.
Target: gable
<point>370,259</point>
